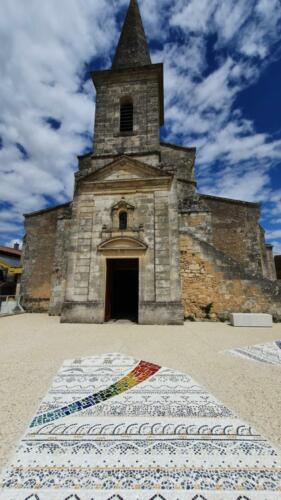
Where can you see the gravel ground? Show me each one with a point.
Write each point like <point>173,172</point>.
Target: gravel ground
<point>33,347</point>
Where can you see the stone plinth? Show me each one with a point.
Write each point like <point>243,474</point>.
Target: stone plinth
<point>251,320</point>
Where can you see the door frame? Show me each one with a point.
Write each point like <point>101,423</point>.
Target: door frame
<point>108,284</point>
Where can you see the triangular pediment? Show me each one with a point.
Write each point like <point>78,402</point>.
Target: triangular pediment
<point>124,169</point>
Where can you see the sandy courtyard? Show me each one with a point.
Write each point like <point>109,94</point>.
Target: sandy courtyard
<point>33,347</point>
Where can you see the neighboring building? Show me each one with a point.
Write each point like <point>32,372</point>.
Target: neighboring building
<point>10,270</point>
<point>137,240</point>
<point>277,259</point>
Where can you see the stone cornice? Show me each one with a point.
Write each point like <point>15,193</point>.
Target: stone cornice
<point>230,200</point>
<point>127,185</point>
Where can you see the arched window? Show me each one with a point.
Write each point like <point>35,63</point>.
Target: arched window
<point>123,221</point>
<point>126,115</point>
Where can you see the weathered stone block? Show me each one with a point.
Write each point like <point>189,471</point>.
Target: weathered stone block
<point>251,320</point>
<point>161,313</point>
<point>82,312</point>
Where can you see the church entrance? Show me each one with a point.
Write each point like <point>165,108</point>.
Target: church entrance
<point>122,289</point>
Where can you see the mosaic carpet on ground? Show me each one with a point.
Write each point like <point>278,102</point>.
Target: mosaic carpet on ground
<point>115,428</point>
<point>269,353</point>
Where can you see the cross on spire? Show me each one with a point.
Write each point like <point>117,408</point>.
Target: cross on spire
<point>132,49</point>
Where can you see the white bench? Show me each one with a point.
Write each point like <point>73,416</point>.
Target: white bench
<point>251,320</point>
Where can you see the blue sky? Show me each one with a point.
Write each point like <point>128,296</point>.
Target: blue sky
<point>222,94</point>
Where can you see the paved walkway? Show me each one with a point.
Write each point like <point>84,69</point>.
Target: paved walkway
<point>34,346</point>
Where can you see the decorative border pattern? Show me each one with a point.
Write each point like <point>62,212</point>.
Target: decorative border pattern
<point>159,496</point>
<point>269,353</point>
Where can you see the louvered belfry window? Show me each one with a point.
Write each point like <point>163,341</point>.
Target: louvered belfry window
<point>126,115</point>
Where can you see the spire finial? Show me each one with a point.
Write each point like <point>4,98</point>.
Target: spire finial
<point>132,49</point>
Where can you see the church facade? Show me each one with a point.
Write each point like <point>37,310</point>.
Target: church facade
<point>138,241</point>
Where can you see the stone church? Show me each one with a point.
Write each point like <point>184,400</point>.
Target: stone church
<point>138,241</point>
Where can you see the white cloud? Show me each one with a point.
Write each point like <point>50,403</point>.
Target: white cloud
<point>230,17</point>
<point>195,16</point>
<point>276,247</point>
<point>43,51</point>
<point>274,234</point>
<point>249,26</point>
<point>243,183</point>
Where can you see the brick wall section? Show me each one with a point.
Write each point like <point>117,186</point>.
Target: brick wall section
<point>235,228</point>
<point>209,276</point>
<point>38,259</point>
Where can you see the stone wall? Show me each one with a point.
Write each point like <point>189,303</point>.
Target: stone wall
<point>270,268</point>
<point>183,159</point>
<point>38,258</point>
<point>235,231</point>
<point>58,283</point>
<point>198,223</point>
<point>181,162</point>
<point>156,211</point>
<point>91,163</point>
<point>277,261</point>
<point>210,277</point>
<point>142,86</point>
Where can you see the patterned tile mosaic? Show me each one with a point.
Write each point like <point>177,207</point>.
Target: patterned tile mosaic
<point>269,353</point>
<point>115,428</point>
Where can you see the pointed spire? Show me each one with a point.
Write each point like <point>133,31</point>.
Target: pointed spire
<point>132,48</point>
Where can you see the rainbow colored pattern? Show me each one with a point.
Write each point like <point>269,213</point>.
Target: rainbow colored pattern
<point>142,372</point>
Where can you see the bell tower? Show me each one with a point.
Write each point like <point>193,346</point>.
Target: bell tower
<point>129,102</point>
